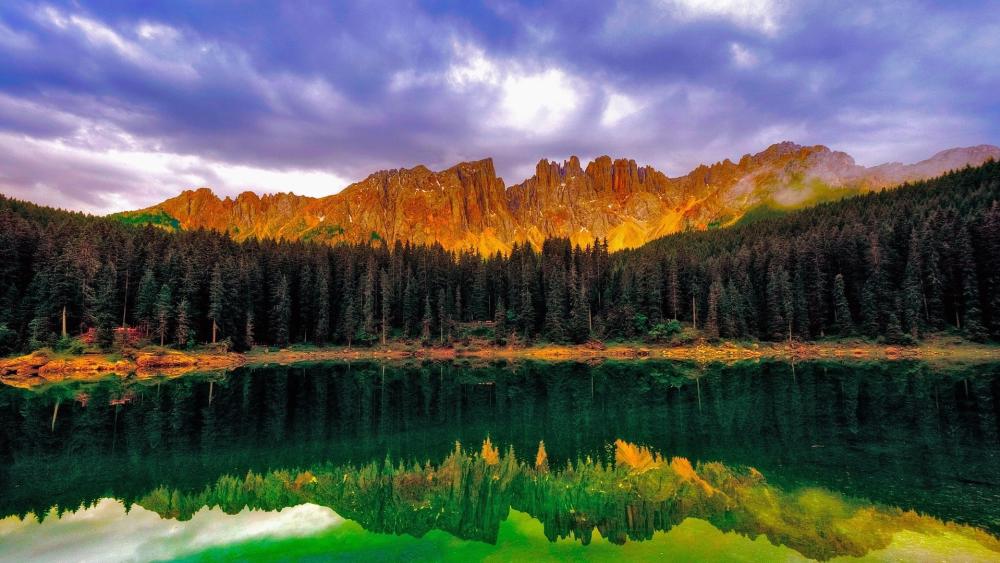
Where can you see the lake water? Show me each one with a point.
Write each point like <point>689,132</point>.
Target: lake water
<point>641,460</point>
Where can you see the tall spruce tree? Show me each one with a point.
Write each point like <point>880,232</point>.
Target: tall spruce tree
<point>281,312</point>
<point>841,308</point>
<point>386,298</point>
<point>164,312</point>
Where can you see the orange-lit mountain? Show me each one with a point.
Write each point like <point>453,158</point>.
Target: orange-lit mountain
<point>467,205</point>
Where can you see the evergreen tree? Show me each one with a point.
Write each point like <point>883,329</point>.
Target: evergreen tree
<point>972,319</point>
<point>281,312</point>
<point>184,332</point>
<point>912,288</point>
<point>217,299</point>
<point>104,307</point>
<point>841,309</point>
<point>425,330</point>
<point>779,303</point>
<point>673,289</point>
<point>411,305</point>
<point>368,304</point>
<point>248,329</point>
<point>146,301</point>
<point>500,324</point>
<point>443,319</point>
<point>578,327</point>
<point>870,307</point>
<point>480,294</point>
<point>527,315</point>
<point>386,287</point>
<point>712,317</point>
<point>322,331</point>
<point>164,312</point>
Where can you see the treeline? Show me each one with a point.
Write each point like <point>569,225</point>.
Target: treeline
<point>892,265</point>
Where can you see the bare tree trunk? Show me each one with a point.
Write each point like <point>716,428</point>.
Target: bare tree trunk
<point>64,322</point>
<point>55,413</point>
<point>215,328</point>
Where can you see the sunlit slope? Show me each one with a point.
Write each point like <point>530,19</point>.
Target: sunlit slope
<point>468,206</point>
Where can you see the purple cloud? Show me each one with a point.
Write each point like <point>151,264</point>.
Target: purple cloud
<point>104,107</point>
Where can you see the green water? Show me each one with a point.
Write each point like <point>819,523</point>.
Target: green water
<point>838,445</point>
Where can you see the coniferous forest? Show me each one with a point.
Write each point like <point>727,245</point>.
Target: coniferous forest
<point>892,266</point>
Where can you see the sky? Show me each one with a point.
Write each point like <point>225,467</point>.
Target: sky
<point>113,105</point>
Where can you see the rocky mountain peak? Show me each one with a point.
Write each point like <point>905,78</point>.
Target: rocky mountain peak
<point>468,206</point>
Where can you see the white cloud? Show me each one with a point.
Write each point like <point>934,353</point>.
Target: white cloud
<point>102,36</point>
<point>157,32</point>
<point>118,179</point>
<point>532,100</point>
<point>762,15</point>
<point>106,533</point>
<point>742,56</point>
<point>618,107</point>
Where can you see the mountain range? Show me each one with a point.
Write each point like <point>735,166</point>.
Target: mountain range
<point>467,206</point>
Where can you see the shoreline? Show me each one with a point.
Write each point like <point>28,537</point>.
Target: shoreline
<point>42,367</point>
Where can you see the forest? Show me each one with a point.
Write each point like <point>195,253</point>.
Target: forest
<point>892,266</point>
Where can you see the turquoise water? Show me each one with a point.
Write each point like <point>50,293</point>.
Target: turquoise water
<point>838,445</point>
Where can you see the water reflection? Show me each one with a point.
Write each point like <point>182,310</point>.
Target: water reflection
<point>900,434</point>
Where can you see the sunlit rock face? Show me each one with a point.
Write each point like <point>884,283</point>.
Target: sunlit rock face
<point>468,207</point>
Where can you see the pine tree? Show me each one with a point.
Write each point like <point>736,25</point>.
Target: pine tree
<point>912,298</point>
<point>411,304</point>
<point>164,312</point>
<point>146,300</point>
<point>184,333</point>
<point>779,303</point>
<point>527,316</point>
<point>480,293</point>
<point>841,309</point>
<point>386,287</point>
<point>874,292</point>
<point>217,299</point>
<point>443,319</point>
<point>104,307</point>
<point>972,320</point>
<point>248,329</point>
<point>281,312</point>
<point>500,323</point>
<point>870,307</point>
<point>555,299</point>
<point>322,332</point>
<point>368,303</point>
<point>578,327</point>
<point>306,313</point>
<point>673,282</point>
<point>712,317</point>
<point>425,330</point>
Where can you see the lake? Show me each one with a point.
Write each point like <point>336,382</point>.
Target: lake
<point>638,460</point>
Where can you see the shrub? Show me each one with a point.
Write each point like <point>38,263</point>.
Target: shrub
<point>665,331</point>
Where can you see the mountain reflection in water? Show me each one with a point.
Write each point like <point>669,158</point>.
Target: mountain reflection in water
<point>756,448</point>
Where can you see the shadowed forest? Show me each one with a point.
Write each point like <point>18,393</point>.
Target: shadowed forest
<point>891,266</point>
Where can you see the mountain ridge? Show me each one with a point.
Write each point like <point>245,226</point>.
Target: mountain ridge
<point>467,206</point>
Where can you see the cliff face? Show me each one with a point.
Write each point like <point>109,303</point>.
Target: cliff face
<point>467,205</point>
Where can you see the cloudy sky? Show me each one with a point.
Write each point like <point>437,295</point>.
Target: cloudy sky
<point>104,107</point>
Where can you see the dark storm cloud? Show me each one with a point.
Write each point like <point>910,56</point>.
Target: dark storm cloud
<point>138,101</point>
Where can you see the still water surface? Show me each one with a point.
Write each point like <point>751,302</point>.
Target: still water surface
<point>752,461</point>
